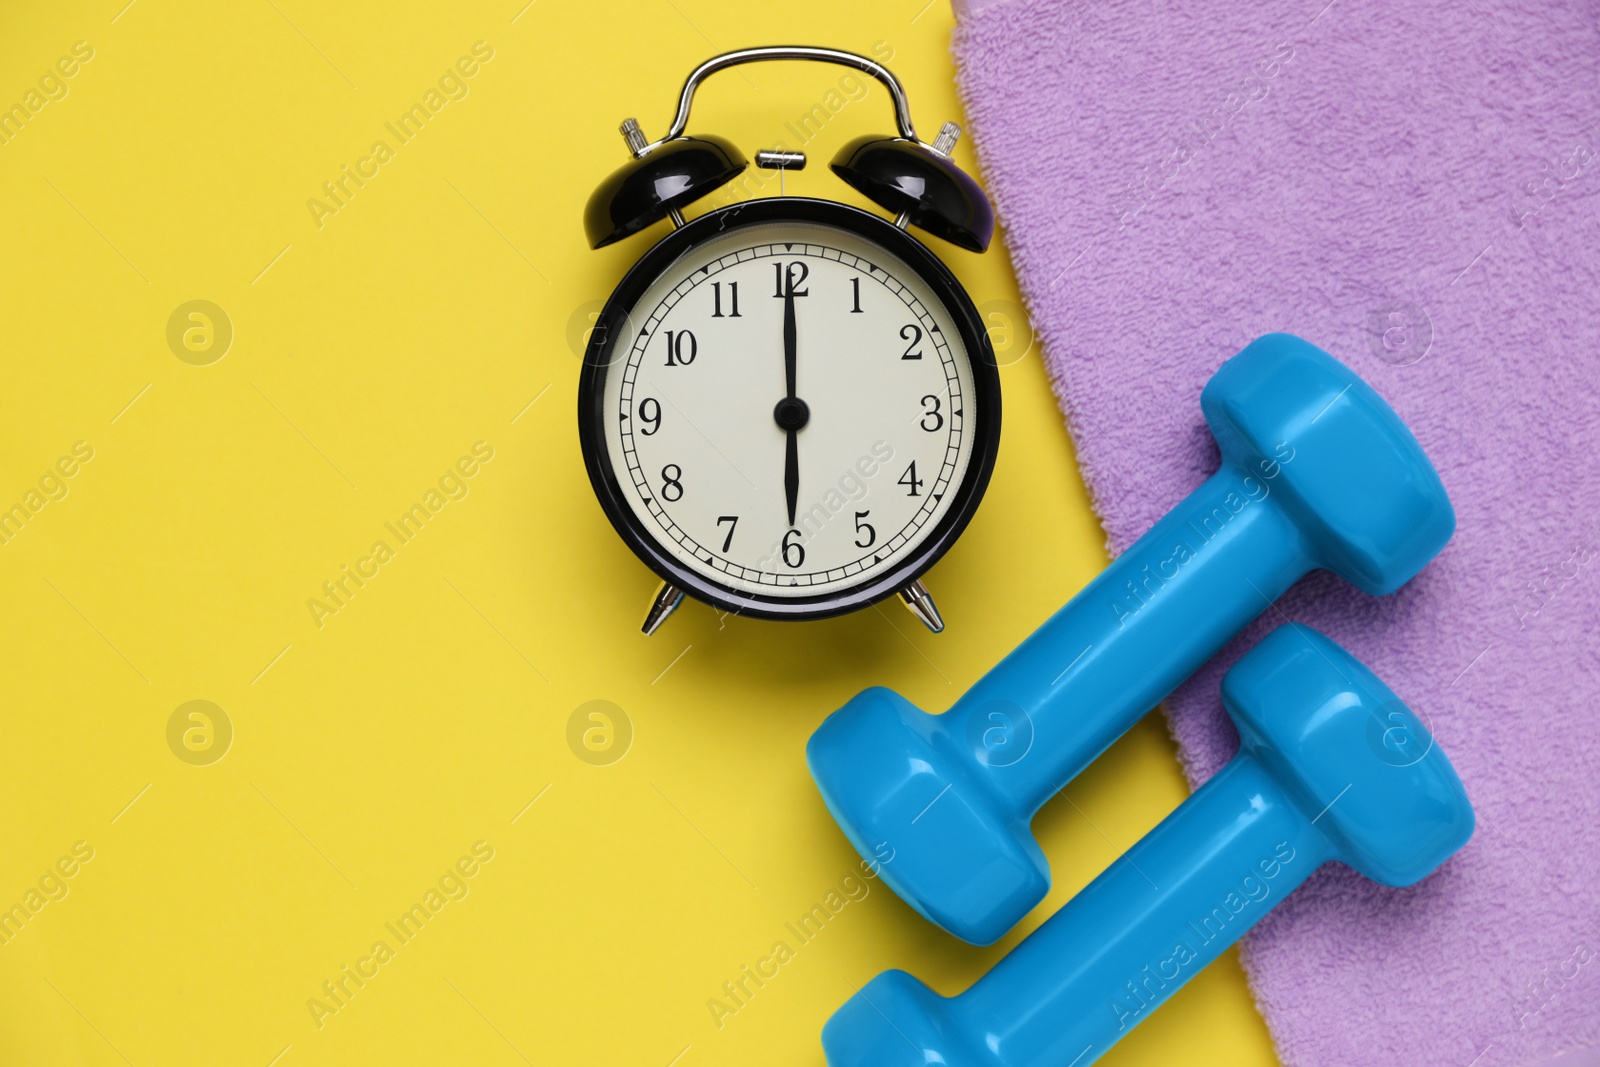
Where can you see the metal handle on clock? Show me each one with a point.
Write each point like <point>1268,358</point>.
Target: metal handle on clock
<point>902,109</point>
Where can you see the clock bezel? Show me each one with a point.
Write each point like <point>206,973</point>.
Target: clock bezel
<point>598,359</point>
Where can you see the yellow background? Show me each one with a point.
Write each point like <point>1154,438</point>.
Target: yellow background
<point>372,752</point>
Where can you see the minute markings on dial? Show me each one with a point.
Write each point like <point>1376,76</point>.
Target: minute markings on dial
<point>795,577</point>
<point>941,478</point>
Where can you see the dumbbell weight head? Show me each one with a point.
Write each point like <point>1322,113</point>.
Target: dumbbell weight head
<point>1324,726</point>
<point>1317,471</point>
<point>1359,486</point>
<point>913,785</point>
<point>1314,780</point>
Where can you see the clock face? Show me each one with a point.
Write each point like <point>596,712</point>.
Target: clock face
<point>790,411</point>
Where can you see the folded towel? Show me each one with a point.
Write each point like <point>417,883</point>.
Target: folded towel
<point>1416,188</point>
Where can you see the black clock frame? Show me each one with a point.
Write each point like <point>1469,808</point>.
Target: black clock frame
<point>608,331</point>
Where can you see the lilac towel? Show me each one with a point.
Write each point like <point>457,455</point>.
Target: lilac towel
<point>1416,188</point>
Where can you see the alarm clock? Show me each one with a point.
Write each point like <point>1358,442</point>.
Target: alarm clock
<point>790,408</point>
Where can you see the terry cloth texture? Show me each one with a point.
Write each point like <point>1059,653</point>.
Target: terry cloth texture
<point>1414,187</point>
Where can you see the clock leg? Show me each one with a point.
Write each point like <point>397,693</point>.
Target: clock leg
<point>665,602</point>
<point>919,602</point>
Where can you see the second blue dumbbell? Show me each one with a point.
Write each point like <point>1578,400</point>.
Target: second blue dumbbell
<point>1317,472</point>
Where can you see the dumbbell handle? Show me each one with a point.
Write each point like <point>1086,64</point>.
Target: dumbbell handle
<point>1147,622</point>
<point>1174,902</point>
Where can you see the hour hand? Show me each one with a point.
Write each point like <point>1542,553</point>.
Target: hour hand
<point>791,415</point>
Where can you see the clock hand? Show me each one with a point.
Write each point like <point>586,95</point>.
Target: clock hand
<point>791,414</point>
<point>791,473</point>
<point>790,409</point>
<point>789,339</point>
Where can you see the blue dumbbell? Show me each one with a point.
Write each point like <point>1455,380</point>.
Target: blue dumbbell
<point>1331,766</point>
<point>1317,472</point>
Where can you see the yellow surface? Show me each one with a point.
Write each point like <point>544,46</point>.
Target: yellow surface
<point>375,747</point>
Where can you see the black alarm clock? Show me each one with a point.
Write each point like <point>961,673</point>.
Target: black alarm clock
<point>789,408</point>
